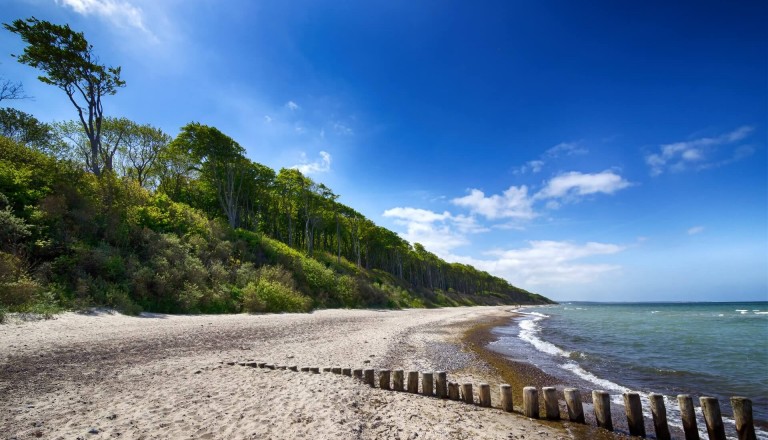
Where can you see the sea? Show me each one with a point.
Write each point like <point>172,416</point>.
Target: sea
<point>702,349</point>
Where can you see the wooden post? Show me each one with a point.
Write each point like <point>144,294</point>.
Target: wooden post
<point>573,402</point>
<point>413,382</point>
<point>397,380</point>
<point>261,364</point>
<point>466,392</point>
<point>506,397</point>
<point>485,395</point>
<point>659,413</point>
<point>346,371</point>
<point>336,370</point>
<point>315,370</point>
<point>303,369</point>
<point>293,368</point>
<point>711,409</point>
<point>602,403</point>
<point>279,367</point>
<point>530,402</point>
<point>358,373</point>
<point>427,383</point>
<point>384,379</point>
<point>441,387</point>
<point>633,408</point>
<point>327,369</point>
<point>270,366</point>
<point>368,374</point>
<point>453,390</point>
<point>742,415</point>
<point>688,416</point>
<point>551,406</point>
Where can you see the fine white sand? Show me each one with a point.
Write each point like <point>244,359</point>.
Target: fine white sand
<point>106,375</point>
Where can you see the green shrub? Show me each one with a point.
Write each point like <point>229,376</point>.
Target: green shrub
<point>18,293</point>
<point>272,296</point>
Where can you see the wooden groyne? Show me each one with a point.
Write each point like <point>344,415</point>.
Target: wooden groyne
<point>441,388</point>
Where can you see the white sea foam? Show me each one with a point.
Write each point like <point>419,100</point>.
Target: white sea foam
<point>528,330</point>
<point>602,384</point>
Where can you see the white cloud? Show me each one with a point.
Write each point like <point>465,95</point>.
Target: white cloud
<point>321,165</point>
<point>120,13</point>
<point>438,232</point>
<point>559,150</point>
<point>290,105</point>
<point>512,203</point>
<point>698,153</point>
<point>695,230</point>
<point>566,149</point>
<point>547,263</point>
<point>574,184</point>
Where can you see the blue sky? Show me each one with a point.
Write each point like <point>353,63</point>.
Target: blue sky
<point>601,150</point>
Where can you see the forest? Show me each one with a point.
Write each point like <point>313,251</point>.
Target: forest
<point>106,211</point>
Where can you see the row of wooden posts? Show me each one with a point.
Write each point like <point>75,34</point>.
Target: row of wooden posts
<point>437,385</point>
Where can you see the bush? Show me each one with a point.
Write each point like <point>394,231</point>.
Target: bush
<point>271,296</point>
<point>18,293</point>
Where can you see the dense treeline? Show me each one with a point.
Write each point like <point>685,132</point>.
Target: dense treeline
<point>107,211</point>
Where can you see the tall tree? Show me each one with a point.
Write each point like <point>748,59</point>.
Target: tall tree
<point>220,161</point>
<point>69,63</point>
<point>142,149</point>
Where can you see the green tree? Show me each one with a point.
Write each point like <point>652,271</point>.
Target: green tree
<point>69,63</point>
<point>221,163</point>
<point>25,129</point>
<point>142,148</point>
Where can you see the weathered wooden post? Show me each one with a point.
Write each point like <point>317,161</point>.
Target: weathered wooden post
<point>294,368</point>
<point>358,373</point>
<point>466,393</point>
<point>368,374</point>
<point>551,406</point>
<point>270,366</point>
<point>659,413</point>
<point>346,371</point>
<point>531,402</point>
<point>688,416</point>
<point>281,367</point>
<point>384,379</point>
<point>573,402</point>
<point>315,370</point>
<point>453,391</point>
<point>336,370</point>
<point>427,383</point>
<point>633,408</point>
<point>602,403</point>
<point>397,380</point>
<point>506,397</point>
<point>711,409</point>
<point>261,364</point>
<point>441,386</point>
<point>485,395</point>
<point>327,369</point>
<point>413,382</point>
<point>305,369</point>
<point>742,415</point>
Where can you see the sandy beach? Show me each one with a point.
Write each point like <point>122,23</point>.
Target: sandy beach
<point>106,375</point>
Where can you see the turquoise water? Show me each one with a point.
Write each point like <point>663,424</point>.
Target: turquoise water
<point>713,349</point>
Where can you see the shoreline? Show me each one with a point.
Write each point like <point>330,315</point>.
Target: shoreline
<point>522,374</point>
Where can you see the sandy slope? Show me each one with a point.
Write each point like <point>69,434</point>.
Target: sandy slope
<point>112,376</point>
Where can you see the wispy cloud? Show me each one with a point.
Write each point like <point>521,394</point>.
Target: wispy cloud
<point>119,13</point>
<point>547,263</point>
<point>290,105</point>
<point>512,203</point>
<point>560,150</point>
<point>701,153</point>
<point>574,184</point>
<point>695,230</point>
<point>321,165</point>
